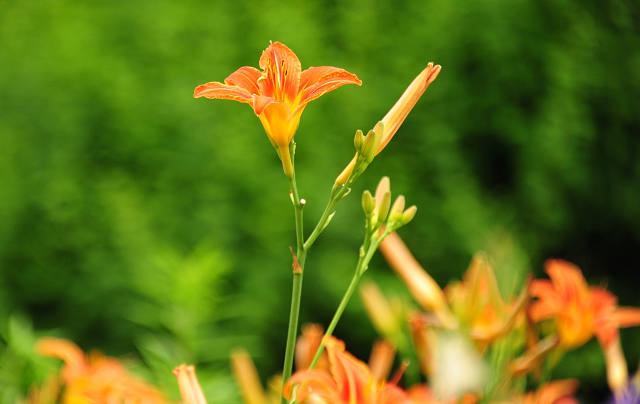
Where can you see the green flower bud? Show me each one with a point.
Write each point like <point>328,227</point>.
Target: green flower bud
<point>397,210</point>
<point>358,141</point>
<point>383,186</point>
<point>408,214</point>
<point>368,146</point>
<point>383,209</point>
<point>368,203</point>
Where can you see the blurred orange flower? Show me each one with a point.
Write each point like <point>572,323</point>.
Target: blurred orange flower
<point>579,311</point>
<point>477,302</point>
<point>279,93</point>
<point>554,392</point>
<point>350,381</point>
<point>95,378</point>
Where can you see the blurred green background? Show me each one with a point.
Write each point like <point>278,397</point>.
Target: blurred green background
<point>143,222</point>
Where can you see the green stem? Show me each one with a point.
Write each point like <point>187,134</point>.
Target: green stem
<point>336,196</point>
<point>370,245</point>
<point>302,248</point>
<point>296,293</point>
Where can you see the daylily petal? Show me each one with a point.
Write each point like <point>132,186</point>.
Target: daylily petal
<point>223,91</point>
<point>316,81</point>
<point>567,279</point>
<point>553,392</point>
<point>63,349</point>
<point>627,316</point>
<point>391,394</point>
<point>310,382</point>
<point>617,373</point>
<point>307,345</point>
<point>549,303</point>
<point>260,102</point>
<point>277,120</point>
<point>351,375</point>
<point>245,77</point>
<point>281,73</point>
<point>603,306</point>
<point>381,360</point>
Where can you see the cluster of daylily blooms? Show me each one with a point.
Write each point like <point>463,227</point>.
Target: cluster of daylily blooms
<point>471,344</point>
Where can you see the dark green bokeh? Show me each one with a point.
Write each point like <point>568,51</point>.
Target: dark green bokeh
<point>134,218</point>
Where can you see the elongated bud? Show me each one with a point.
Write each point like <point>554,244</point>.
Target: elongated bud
<point>378,131</point>
<point>358,140</point>
<point>617,374</point>
<point>397,210</point>
<point>397,114</point>
<point>247,377</point>
<point>381,360</point>
<point>408,214</point>
<point>421,285</point>
<point>369,146</point>
<point>383,187</point>
<point>379,309</point>
<point>383,209</point>
<point>368,203</point>
<point>188,383</point>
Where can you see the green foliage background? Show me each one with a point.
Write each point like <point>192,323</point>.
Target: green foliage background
<point>142,222</point>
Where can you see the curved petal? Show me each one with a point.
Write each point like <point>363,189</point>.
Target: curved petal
<point>281,73</point>
<point>351,375</point>
<point>567,279</point>
<point>549,303</point>
<point>309,382</point>
<point>316,81</point>
<point>391,394</point>
<point>223,91</point>
<point>627,316</point>
<point>245,77</point>
<point>63,349</point>
<point>603,306</point>
<point>260,102</point>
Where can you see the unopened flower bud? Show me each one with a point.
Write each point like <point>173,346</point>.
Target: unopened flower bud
<point>396,211</point>
<point>368,203</point>
<point>377,133</point>
<point>408,214</point>
<point>369,146</point>
<point>383,209</point>
<point>383,187</point>
<point>358,141</point>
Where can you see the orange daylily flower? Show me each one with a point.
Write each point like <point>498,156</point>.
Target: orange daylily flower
<point>350,382</point>
<point>477,302</point>
<point>279,93</point>
<point>580,311</point>
<point>95,378</point>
